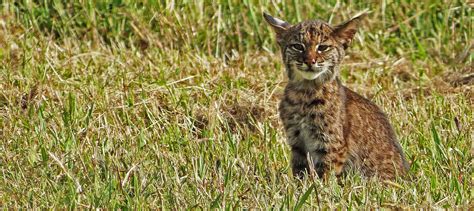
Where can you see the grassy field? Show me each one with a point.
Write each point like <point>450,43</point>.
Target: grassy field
<point>162,104</point>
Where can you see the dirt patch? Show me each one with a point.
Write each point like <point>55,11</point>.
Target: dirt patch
<point>238,116</point>
<point>465,77</point>
<point>244,115</point>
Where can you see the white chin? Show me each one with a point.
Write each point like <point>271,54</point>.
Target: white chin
<point>311,75</point>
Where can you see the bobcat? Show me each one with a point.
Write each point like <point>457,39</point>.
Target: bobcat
<point>328,126</point>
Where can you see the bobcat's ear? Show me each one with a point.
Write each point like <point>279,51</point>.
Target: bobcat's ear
<point>345,32</point>
<point>279,26</point>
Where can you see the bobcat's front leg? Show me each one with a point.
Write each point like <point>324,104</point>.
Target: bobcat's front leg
<point>299,161</point>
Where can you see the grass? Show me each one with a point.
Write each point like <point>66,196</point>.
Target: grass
<point>164,104</point>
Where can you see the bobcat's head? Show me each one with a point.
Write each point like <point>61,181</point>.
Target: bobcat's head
<point>312,50</point>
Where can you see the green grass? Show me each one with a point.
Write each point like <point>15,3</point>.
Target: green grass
<point>162,104</point>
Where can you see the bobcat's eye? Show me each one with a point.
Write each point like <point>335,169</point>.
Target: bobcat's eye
<point>322,48</point>
<point>297,47</point>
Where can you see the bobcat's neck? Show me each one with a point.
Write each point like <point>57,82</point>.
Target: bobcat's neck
<point>329,88</point>
<point>327,102</point>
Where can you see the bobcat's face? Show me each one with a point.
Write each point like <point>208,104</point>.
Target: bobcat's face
<point>312,50</point>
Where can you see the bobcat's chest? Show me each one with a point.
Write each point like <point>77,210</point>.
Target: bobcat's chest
<point>305,123</point>
<point>311,116</point>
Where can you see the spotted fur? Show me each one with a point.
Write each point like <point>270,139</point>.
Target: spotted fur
<point>328,126</point>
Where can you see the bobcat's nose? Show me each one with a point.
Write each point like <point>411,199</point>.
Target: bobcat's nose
<point>310,62</point>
